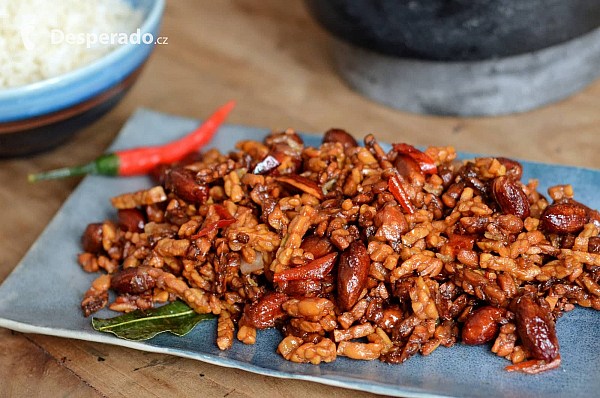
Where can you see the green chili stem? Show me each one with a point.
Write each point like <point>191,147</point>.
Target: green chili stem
<point>105,165</point>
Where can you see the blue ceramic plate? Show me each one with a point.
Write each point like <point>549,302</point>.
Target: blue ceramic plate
<point>44,292</point>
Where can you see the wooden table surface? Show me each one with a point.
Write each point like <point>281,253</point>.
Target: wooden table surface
<point>274,60</point>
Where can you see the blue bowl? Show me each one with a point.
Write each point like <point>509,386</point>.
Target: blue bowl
<point>42,115</point>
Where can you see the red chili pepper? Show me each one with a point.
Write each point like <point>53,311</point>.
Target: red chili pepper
<point>426,164</point>
<point>316,269</point>
<point>212,227</point>
<point>140,161</point>
<point>396,188</point>
<point>226,220</point>
<point>222,212</point>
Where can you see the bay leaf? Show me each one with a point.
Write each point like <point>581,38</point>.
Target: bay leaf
<point>176,317</point>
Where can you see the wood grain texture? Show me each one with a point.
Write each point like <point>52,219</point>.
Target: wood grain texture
<point>28,370</point>
<point>273,59</point>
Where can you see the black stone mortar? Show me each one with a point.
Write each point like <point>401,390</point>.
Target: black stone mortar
<point>464,57</point>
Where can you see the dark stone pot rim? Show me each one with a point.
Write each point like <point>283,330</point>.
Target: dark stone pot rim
<point>456,30</point>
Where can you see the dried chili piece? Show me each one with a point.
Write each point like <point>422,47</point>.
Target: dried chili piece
<point>534,366</point>
<point>395,187</point>
<point>316,269</point>
<point>426,164</point>
<point>226,220</point>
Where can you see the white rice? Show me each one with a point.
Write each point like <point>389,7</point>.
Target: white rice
<point>20,66</point>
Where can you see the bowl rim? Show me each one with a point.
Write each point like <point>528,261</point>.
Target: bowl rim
<point>152,19</point>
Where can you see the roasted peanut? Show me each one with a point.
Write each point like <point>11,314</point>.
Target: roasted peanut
<point>91,240</point>
<point>287,160</point>
<point>482,325</point>
<point>318,246</point>
<point>452,194</point>
<point>182,183</point>
<point>341,136</point>
<point>594,245</point>
<point>594,217</point>
<point>390,222</point>
<point>536,329</point>
<point>514,169</point>
<point>353,271</point>
<point>409,169</point>
<point>564,218</point>
<point>468,174</point>
<point>133,280</point>
<point>263,313</point>
<point>510,197</point>
<point>447,176</point>
<point>159,173</point>
<point>131,220</point>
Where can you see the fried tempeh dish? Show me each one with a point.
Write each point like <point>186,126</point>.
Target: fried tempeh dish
<point>352,251</point>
